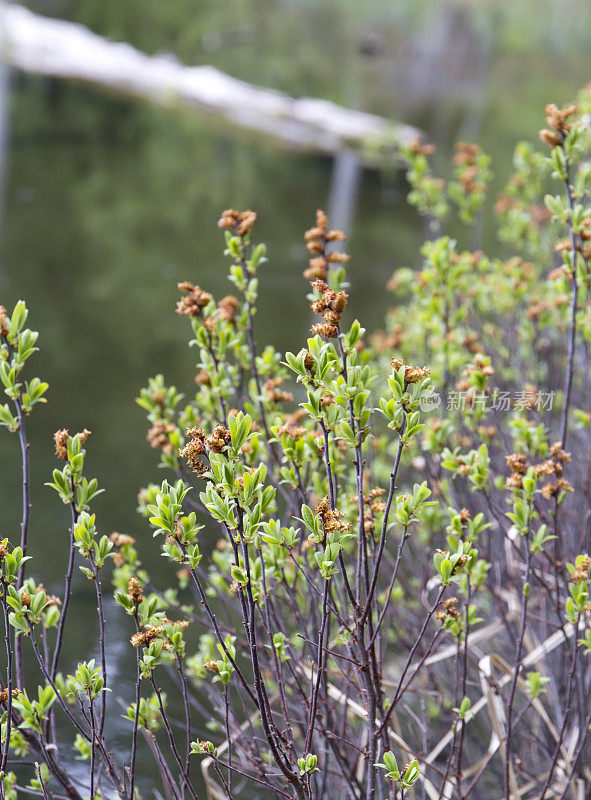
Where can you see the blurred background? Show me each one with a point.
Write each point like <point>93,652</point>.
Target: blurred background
<point>107,202</point>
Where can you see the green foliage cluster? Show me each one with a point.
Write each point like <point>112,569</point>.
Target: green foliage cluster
<point>319,509</point>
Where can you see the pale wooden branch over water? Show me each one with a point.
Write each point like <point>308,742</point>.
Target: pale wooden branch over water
<point>66,50</point>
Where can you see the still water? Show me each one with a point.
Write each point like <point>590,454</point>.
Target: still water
<point>107,206</point>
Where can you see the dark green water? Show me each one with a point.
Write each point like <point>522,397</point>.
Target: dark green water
<point>108,204</point>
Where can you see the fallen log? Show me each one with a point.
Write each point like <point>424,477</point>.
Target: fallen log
<point>68,50</point>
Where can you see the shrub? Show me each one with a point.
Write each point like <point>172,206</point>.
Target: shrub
<point>378,574</point>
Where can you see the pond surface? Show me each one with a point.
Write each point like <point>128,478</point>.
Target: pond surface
<point>109,204</point>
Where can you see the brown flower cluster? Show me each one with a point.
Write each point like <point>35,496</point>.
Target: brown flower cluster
<point>465,154</point>
<point>477,365</point>
<point>83,435</point>
<point>316,240</point>
<point>368,521</point>
<point>420,148</point>
<point>557,120</point>
<point>193,301</point>
<point>374,494</point>
<point>411,374</point>
<point>233,412</point>
<point>451,612</point>
<point>536,309</point>
<point>143,638</point>
<point>382,341</point>
<point>183,574</point>
<point>465,158</point>
<point>331,305</point>
<point>159,436</point>
<point>504,204</point>
<point>240,222</point>
<point>219,439</point>
<point>489,431</point>
<point>3,321</point>
<point>460,563</point>
<point>240,479</point>
<point>193,449</point>
<point>585,234</point>
<point>581,246</point>
<point>4,694</point>
<point>558,453</point>
<point>394,282</point>
<point>290,425</point>
<point>581,572</point>
<point>202,378</point>
<point>273,394</point>
<point>374,505</point>
<point>471,258</point>
<point>206,747</point>
<point>120,540</point>
<point>50,599</point>
<point>158,397</point>
<point>517,463</point>
<point>551,489</point>
<point>228,308</point>
<point>197,445</point>
<point>559,273</point>
<point>555,465</point>
<point>326,399</point>
<point>538,213</point>
<point>520,272</point>
<point>332,519</point>
<point>60,439</point>
<point>134,590</point>
<point>464,516</point>
<point>471,343</point>
<point>308,359</point>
